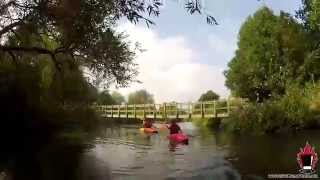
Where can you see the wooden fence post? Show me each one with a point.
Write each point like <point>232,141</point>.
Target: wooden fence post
<point>144,111</point>
<point>127,115</point>
<point>228,107</point>
<point>111,111</point>
<point>214,109</point>
<point>202,110</point>
<point>190,109</point>
<point>134,111</point>
<point>164,111</point>
<point>154,111</point>
<point>118,111</point>
<point>177,110</point>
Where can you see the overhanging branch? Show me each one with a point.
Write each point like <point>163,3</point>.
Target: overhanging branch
<point>10,27</point>
<point>37,50</point>
<point>26,49</point>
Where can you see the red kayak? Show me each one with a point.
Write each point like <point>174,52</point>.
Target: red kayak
<point>179,138</point>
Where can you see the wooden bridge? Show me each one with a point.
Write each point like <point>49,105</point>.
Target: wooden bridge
<point>208,109</point>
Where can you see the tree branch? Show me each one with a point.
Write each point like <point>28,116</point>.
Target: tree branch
<point>10,27</point>
<point>38,50</point>
<point>26,49</point>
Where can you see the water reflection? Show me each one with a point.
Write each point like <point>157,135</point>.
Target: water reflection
<point>123,152</point>
<point>145,156</point>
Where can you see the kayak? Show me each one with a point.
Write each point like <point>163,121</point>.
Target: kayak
<point>179,138</point>
<point>149,130</point>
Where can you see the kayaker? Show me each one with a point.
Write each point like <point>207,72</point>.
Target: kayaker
<point>174,127</point>
<point>147,123</point>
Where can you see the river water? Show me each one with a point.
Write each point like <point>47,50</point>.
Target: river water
<point>122,152</point>
<point>131,154</point>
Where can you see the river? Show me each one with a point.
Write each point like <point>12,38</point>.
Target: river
<point>122,152</point>
<point>131,154</point>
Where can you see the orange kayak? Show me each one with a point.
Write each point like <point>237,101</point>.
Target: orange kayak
<point>149,130</point>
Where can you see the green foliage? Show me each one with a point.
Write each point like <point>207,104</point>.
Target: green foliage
<point>83,30</point>
<point>117,97</point>
<point>271,50</point>
<point>140,97</point>
<point>209,96</point>
<point>206,122</point>
<point>315,14</point>
<point>309,15</point>
<point>279,56</point>
<point>295,106</point>
<point>297,109</point>
<point>38,101</point>
<point>105,98</point>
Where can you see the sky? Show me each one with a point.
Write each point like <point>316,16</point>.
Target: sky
<point>185,56</point>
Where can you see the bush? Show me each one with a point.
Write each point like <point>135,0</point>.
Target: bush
<point>298,108</point>
<point>256,118</point>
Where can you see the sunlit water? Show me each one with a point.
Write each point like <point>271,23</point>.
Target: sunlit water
<point>130,154</point>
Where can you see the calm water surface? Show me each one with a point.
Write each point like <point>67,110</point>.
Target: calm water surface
<point>122,152</point>
<point>128,153</point>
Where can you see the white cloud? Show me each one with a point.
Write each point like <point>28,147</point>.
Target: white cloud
<point>169,69</point>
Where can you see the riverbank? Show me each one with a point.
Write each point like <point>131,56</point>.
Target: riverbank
<point>298,109</point>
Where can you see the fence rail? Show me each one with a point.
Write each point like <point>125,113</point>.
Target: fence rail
<point>207,109</point>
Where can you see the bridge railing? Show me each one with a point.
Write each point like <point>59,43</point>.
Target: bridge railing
<point>221,108</point>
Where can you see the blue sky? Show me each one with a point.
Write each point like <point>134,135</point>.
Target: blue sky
<point>185,56</point>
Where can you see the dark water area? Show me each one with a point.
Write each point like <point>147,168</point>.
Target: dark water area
<point>123,152</point>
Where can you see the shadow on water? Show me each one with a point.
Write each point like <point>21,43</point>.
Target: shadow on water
<point>58,160</point>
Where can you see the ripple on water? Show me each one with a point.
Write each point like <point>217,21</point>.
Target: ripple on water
<point>131,144</point>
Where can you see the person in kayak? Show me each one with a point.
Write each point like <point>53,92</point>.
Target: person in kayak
<point>174,127</point>
<point>147,123</point>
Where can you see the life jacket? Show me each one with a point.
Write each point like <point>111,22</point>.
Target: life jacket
<point>174,129</point>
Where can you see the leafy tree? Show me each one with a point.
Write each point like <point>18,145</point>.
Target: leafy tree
<point>310,17</point>
<point>118,98</point>
<point>309,14</point>
<point>105,98</point>
<point>209,96</point>
<point>140,97</point>
<point>82,29</point>
<point>271,51</point>
<point>304,13</point>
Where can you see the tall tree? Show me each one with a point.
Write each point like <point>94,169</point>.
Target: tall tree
<point>140,97</point>
<point>271,51</point>
<point>309,14</point>
<point>209,96</point>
